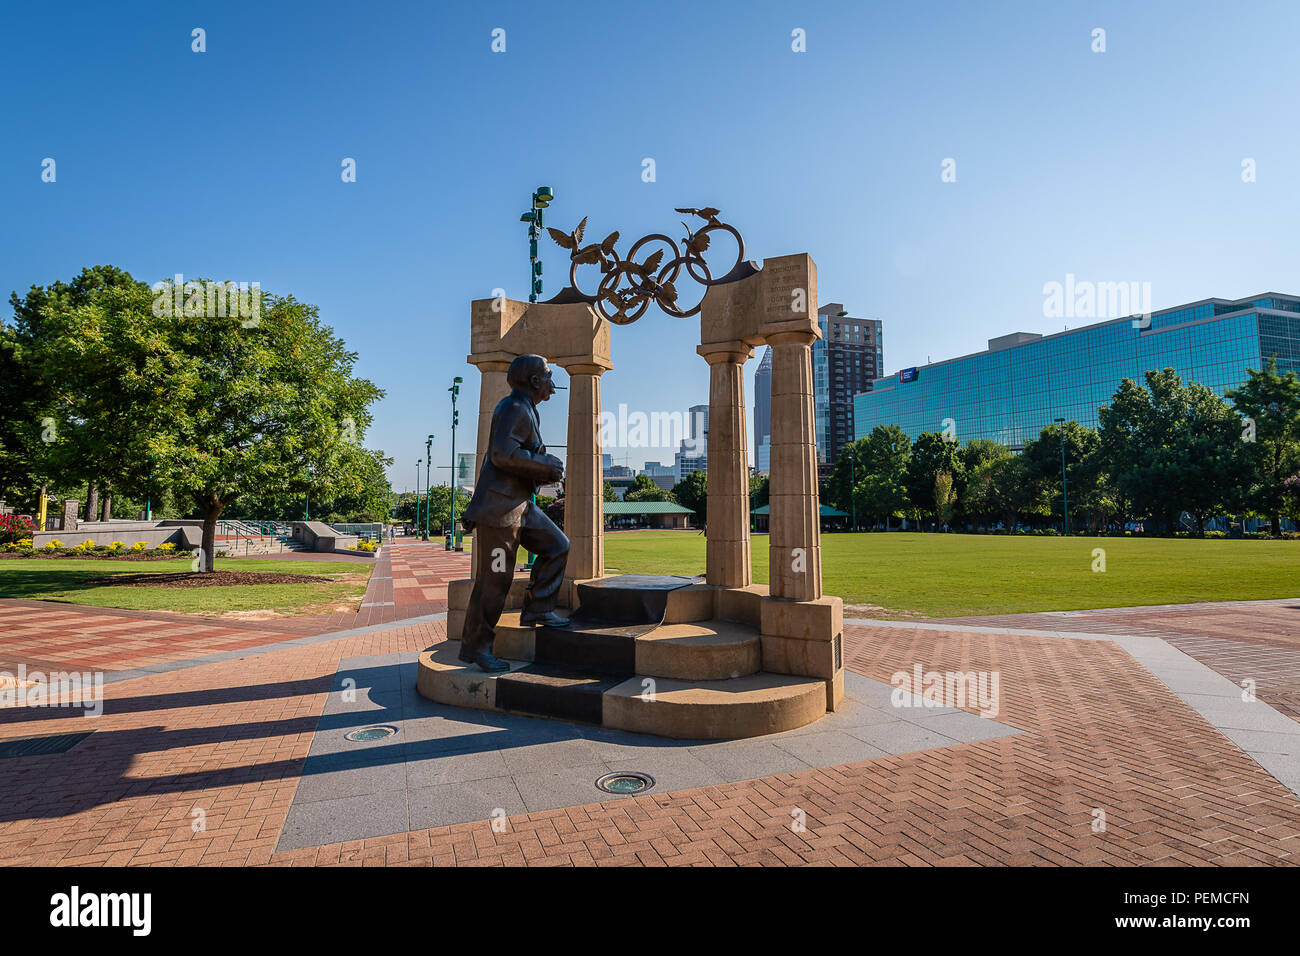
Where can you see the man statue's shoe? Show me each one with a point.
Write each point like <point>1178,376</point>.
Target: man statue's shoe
<point>548,619</point>
<point>488,661</point>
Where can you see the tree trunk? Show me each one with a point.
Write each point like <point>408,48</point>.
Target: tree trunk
<point>92,502</point>
<point>108,502</point>
<point>1275,524</point>
<point>1200,525</point>
<point>211,506</point>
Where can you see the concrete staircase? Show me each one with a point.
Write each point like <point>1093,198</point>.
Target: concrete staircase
<point>645,654</point>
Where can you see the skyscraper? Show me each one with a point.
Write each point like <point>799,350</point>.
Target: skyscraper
<point>849,356</point>
<point>763,413</point>
<point>694,452</point>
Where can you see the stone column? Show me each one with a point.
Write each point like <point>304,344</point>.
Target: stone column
<point>584,478</point>
<point>727,550</point>
<point>492,388</point>
<point>795,571</point>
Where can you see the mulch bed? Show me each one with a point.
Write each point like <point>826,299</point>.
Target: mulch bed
<point>201,579</point>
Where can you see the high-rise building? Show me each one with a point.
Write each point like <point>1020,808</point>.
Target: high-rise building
<point>763,414</point>
<point>694,453</point>
<point>1023,381</point>
<point>848,357</point>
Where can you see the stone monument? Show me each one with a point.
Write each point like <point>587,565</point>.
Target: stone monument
<point>697,658</point>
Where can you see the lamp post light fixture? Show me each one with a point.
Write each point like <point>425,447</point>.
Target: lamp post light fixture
<point>1065,493</point>
<point>428,482</point>
<point>417,497</point>
<point>452,542</point>
<point>542,197</point>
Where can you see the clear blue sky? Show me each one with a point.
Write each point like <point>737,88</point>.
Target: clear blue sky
<point>1115,166</point>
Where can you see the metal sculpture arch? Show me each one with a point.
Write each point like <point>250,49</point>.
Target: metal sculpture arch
<point>628,286</point>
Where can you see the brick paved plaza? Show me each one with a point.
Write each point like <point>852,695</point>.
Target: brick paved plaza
<point>1122,738</point>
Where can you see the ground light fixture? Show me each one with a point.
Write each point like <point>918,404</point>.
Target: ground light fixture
<point>625,782</point>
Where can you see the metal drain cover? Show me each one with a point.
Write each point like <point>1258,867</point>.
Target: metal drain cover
<point>624,782</point>
<point>371,733</point>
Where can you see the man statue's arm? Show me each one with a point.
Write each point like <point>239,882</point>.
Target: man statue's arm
<point>509,453</point>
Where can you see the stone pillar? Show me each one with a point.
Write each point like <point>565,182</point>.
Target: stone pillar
<point>727,550</point>
<point>795,571</point>
<point>492,388</point>
<point>584,478</point>
<point>68,520</point>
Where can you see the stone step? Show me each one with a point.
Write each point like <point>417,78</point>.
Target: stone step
<point>746,706</point>
<point>715,710</point>
<point>708,650</point>
<point>627,598</point>
<point>549,690</point>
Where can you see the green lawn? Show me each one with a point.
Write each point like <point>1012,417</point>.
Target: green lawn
<point>946,575</point>
<point>64,579</point>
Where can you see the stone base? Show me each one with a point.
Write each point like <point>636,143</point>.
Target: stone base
<point>688,710</point>
<point>651,654</point>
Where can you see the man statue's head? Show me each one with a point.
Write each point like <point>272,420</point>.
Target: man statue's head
<point>531,375</point>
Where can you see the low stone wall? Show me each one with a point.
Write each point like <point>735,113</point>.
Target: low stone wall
<point>184,534</point>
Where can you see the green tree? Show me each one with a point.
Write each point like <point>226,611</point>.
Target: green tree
<point>214,407</point>
<point>1043,459</point>
<point>945,498</point>
<point>29,395</point>
<point>931,454</point>
<point>758,491</point>
<point>609,493</point>
<point>881,471</point>
<point>643,488</point>
<point>1171,447</point>
<point>692,492</point>
<point>978,503</point>
<point>1271,404</point>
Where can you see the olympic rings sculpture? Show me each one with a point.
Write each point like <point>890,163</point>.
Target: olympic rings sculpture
<point>627,287</point>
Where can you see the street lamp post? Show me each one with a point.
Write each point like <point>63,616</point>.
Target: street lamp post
<point>853,484</point>
<point>455,420</point>
<point>417,497</point>
<point>542,197</point>
<point>428,482</point>
<point>1065,493</point>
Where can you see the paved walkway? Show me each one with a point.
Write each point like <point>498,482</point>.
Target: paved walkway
<point>1110,762</point>
<point>46,635</point>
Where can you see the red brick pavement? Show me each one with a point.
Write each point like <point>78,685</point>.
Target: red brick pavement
<point>1100,733</point>
<point>1254,640</point>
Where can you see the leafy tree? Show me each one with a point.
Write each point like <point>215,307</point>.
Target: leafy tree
<point>1043,459</point>
<point>692,492</point>
<point>212,407</point>
<point>881,471</point>
<point>1271,403</point>
<point>1171,447</point>
<point>643,488</point>
<point>931,454</point>
<point>945,498</point>
<point>978,503</point>
<point>758,491</point>
<point>609,493</point>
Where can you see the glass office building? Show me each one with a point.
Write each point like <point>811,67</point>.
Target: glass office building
<point>1023,381</point>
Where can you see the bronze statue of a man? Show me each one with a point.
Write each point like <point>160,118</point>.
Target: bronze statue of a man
<point>503,516</point>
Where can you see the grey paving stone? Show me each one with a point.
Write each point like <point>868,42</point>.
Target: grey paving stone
<point>1264,742</point>
<point>902,737</point>
<point>748,759</point>
<point>319,783</point>
<point>1240,715</point>
<point>965,727</point>
<point>549,755</point>
<point>572,786</point>
<point>829,749</point>
<point>436,769</point>
<point>449,803</point>
<point>672,770</point>
<point>347,818</point>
